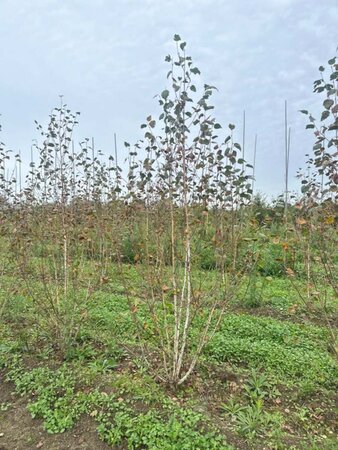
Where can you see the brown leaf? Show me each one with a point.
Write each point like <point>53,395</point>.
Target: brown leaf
<point>290,272</point>
<point>293,309</point>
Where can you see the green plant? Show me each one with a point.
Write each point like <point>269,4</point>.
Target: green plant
<point>103,365</point>
<point>186,179</point>
<point>232,407</point>
<point>315,226</point>
<point>4,406</point>
<point>287,351</point>
<point>254,293</point>
<point>250,420</point>
<point>271,261</point>
<point>257,386</point>
<point>149,430</point>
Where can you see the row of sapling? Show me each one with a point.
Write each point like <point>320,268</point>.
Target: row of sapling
<point>3,203</point>
<point>57,211</point>
<point>7,190</point>
<point>315,223</point>
<point>187,178</point>
<point>185,197</point>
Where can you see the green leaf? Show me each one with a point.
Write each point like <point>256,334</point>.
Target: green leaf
<point>310,125</point>
<point>193,88</point>
<point>328,103</point>
<point>165,94</point>
<point>195,70</point>
<point>304,111</point>
<point>183,45</point>
<point>332,61</point>
<point>177,37</point>
<point>231,126</point>
<point>217,126</point>
<point>321,69</point>
<point>325,115</point>
<point>334,126</point>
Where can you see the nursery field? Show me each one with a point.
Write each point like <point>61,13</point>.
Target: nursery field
<point>159,302</point>
<point>266,379</point>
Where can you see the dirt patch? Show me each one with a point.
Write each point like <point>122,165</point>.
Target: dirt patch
<point>18,431</point>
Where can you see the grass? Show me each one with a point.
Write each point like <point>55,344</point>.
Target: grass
<point>282,367</point>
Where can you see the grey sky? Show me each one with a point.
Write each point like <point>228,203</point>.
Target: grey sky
<point>107,58</point>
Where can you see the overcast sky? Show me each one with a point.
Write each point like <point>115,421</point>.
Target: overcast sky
<point>107,58</point>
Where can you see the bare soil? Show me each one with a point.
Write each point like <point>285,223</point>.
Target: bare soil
<point>18,431</point>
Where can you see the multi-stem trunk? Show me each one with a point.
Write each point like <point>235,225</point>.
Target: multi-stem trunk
<point>182,304</point>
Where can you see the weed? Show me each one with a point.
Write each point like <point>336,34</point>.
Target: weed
<point>4,406</point>
<point>149,430</point>
<point>257,386</point>
<point>285,350</point>
<point>232,407</point>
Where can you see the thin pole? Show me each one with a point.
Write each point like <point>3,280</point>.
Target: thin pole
<point>4,174</point>
<point>116,163</point>
<point>254,166</point>
<point>115,146</point>
<point>32,163</point>
<point>93,166</point>
<point>289,144</point>
<point>20,172</point>
<point>287,134</point>
<point>16,178</point>
<point>243,142</point>
<point>93,151</point>
<point>74,174</point>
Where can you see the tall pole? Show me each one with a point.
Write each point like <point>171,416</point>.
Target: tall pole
<point>254,166</point>
<point>116,163</point>
<point>20,172</point>
<point>93,167</point>
<point>287,137</point>
<point>115,147</point>
<point>32,164</point>
<point>74,171</point>
<point>16,177</point>
<point>243,141</point>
